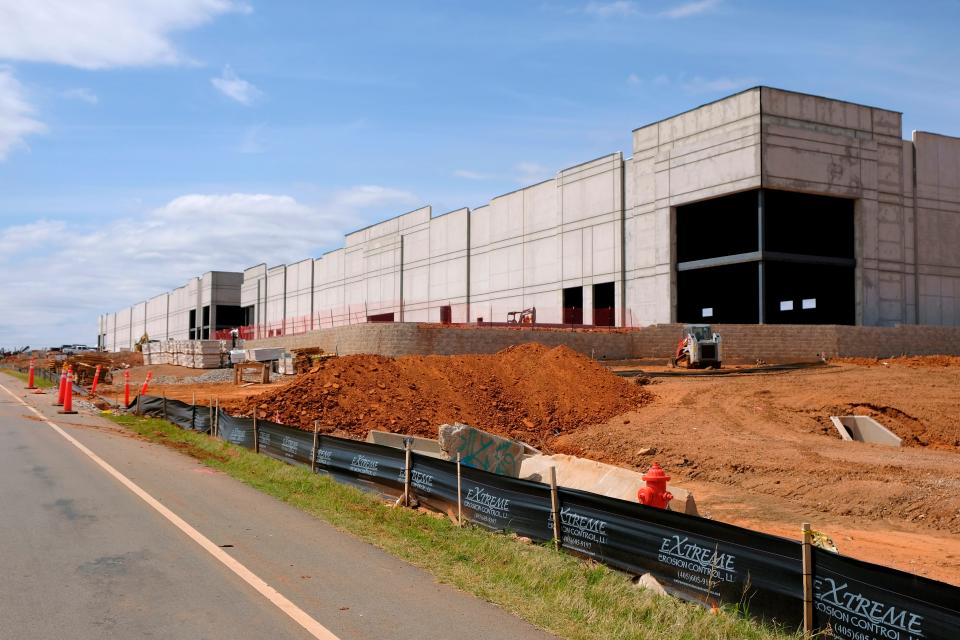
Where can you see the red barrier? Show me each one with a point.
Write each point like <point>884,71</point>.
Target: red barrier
<point>146,383</point>
<point>126,389</point>
<point>96,379</point>
<point>68,396</point>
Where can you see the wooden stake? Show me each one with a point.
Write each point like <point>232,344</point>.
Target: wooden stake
<point>256,435</point>
<point>459,495</point>
<point>807,579</point>
<point>139,413</point>
<point>406,479</point>
<point>313,454</point>
<point>164,405</point>
<point>210,416</point>
<point>555,507</point>
<point>216,418</point>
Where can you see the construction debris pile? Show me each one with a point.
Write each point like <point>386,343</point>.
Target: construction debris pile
<point>307,358</point>
<point>529,392</point>
<point>85,365</point>
<point>195,354</point>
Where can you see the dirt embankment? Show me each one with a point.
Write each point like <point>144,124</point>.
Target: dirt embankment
<point>529,392</point>
<point>771,435</point>
<point>915,362</point>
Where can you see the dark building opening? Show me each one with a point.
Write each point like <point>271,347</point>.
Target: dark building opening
<point>193,324</point>
<point>446,314</point>
<point>719,294</point>
<point>603,305</point>
<point>573,305</point>
<point>766,256</point>
<point>230,316</point>
<point>205,329</point>
<point>809,294</point>
<point>247,318</point>
<point>804,224</point>
<point>380,317</point>
<point>723,226</point>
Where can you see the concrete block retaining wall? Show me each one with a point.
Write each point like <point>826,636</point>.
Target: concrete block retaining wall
<point>742,343</point>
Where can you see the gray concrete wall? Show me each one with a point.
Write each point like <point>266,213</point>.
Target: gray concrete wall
<point>742,343</point>
<point>938,227</point>
<point>822,146</point>
<point>710,151</point>
<point>298,297</point>
<point>252,291</point>
<point>157,313</point>
<point>528,245</point>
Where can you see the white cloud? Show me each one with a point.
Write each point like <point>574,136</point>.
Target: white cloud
<point>58,277</point>
<point>16,114</point>
<point>81,94</point>
<point>689,9</point>
<point>470,175</point>
<point>31,236</point>
<point>611,9</point>
<point>102,34</point>
<point>724,84</point>
<point>699,84</point>
<point>634,79</point>
<point>235,87</point>
<point>371,196</point>
<point>531,172</point>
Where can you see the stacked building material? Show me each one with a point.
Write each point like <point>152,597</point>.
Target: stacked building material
<point>195,354</point>
<point>206,354</point>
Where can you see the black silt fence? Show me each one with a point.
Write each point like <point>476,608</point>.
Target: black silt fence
<point>699,560</point>
<point>693,558</point>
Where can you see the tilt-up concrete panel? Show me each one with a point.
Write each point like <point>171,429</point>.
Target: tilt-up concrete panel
<point>707,152</point>
<point>938,227</point>
<point>830,147</point>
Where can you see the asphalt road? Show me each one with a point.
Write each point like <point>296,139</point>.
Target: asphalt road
<point>82,556</point>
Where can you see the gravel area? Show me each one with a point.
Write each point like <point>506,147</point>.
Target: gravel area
<point>213,375</point>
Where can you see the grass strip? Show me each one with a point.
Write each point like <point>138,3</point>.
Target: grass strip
<point>42,383</point>
<point>565,595</point>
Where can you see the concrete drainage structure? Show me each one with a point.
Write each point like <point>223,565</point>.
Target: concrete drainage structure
<point>864,429</point>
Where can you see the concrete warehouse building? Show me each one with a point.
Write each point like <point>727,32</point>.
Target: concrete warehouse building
<point>767,206</point>
<point>196,310</point>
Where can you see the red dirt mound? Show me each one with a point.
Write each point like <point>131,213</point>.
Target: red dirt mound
<point>527,392</point>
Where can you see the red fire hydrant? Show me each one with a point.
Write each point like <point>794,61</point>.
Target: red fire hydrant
<point>655,494</point>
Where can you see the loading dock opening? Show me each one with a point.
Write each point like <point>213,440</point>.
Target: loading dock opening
<point>603,304</point>
<point>573,305</point>
<point>766,256</point>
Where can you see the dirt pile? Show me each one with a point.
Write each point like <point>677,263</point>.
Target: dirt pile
<point>527,392</point>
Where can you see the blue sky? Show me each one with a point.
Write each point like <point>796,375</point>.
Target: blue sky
<point>146,141</point>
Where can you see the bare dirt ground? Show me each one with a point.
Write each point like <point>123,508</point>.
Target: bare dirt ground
<point>758,451</point>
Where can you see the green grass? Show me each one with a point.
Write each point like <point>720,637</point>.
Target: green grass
<point>558,592</point>
<point>37,380</point>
